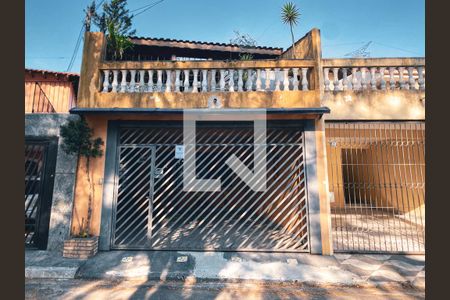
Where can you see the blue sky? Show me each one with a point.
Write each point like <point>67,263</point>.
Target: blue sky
<point>395,27</point>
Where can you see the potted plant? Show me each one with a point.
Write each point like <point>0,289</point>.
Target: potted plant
<point>78,140</point>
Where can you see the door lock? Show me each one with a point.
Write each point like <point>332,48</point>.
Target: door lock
<point>158,172</point>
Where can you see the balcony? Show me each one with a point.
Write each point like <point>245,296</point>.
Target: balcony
<point>374,88</point>
<point>351,88</point>
<point>235,84</point>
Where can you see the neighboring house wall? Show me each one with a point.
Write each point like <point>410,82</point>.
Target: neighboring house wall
<point>58,89</point>
<point>48,125</point>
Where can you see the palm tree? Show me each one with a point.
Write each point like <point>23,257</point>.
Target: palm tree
<point>290,15</point>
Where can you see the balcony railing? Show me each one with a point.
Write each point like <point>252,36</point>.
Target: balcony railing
<point>308,81</point>
<point>207,76</point>
<point>373,74</point>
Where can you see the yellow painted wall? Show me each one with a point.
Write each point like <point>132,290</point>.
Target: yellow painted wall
<point>383,157</point>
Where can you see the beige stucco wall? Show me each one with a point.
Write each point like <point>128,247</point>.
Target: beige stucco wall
<point>394,169</point>
<point>375,105</point>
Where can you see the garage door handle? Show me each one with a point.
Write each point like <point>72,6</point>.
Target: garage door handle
<point>158,172</point>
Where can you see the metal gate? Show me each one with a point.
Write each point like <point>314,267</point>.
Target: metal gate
<point>377,180</point>
<point>153,212</point>
<point>40,159</point>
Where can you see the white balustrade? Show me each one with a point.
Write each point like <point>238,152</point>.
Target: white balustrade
<point>373,78</point>
<point>295,79</point>
<point>222,80</point>
<point>123,84</point>
<point>277,79</point>
<point>195,81</point>
<point>240,80</point>
<point>345,82</point>
<point>363,79</point>
<point>231,81</point>
<point>258,79</point>
<point>141,81</point>
<point>249,83</point>
<point>355,81</point>
<point>285,79</point>
<point>205,80</point>
<point>150,81</point>
<point>177,80</point>
<point>213,80</point>
<point>391,78</point>
<point>159,81</point>
<point>115,82</point>
<point>267,73</point>
<point>304,79</point>
<point>421,78</point>
<point>373,81</point>
<point>400,78</point>
<point>168,81</point>
<point>105,81</point>
<point>335,79</point>
<point>186,80</point>
<point>360,78</point>
<point>326,80</point>
<point>382,81</point>
<point>411,81</point>
<point>132,81</point>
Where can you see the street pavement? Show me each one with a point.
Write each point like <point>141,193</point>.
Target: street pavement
<point>71,289</point>
<point>207,275</point>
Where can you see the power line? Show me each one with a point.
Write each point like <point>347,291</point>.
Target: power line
<point>146,7</point>
<point>264,31</point>
<point>343,44</point>
<point>397,48</point>
<point>80,35</point>
<point>75,50</point>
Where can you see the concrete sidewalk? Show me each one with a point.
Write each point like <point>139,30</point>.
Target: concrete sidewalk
<point>340,269</point>
<point>49,264</point>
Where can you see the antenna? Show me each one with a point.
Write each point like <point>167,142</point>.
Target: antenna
<point>361,52</point>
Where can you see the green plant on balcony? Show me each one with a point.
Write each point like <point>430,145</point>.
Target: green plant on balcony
<point>77,140</point>
<point>116,23</point>
<point>115,12</point>
<point>117,43</point>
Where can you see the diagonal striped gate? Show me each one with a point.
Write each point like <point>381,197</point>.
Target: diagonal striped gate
<point>153,212</point>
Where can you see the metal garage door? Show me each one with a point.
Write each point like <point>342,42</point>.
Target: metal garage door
<point>377,177</point>
<point>151,210</point>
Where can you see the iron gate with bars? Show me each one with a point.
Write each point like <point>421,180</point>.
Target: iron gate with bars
<point>151,210</point>
<point>376,172</point>
<point>40,160</point>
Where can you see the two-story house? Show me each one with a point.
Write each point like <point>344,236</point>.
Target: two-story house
<point>343,148</point>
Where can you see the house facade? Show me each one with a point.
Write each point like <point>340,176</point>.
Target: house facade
<point>343,148</point>
<point>49,172</point>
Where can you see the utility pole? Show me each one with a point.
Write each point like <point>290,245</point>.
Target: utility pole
<point>90,12</point>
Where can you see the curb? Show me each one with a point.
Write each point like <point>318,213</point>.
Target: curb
<point>35,272</point>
